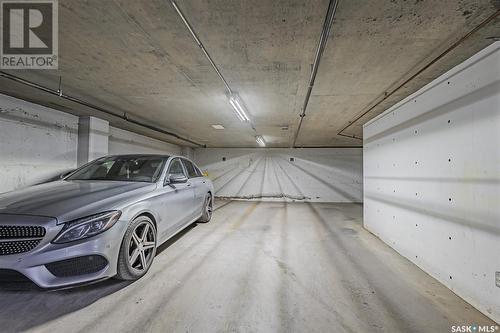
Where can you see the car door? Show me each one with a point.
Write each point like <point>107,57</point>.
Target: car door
<point>198,184</point>
<point>177,201</point>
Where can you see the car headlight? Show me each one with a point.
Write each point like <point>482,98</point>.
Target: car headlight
<point>87,227</point>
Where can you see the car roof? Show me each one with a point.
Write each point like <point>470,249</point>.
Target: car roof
<point>151,155</point>
<point>140,155</point>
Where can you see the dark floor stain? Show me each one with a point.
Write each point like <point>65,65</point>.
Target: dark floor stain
<point>348,231</point>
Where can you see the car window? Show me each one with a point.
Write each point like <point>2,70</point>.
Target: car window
<point>94,170</point>
<point>198,171</point>
<point>190,169</point>
<point>121,168</point>
<point>176,168</point>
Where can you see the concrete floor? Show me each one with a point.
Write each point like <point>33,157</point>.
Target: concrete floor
<point>257,267</point>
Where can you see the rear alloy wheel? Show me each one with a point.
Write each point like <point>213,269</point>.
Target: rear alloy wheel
<point>138,249</point>
<point>207,209</point>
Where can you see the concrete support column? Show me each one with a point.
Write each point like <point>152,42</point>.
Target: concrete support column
<point>93,136</point>
<point>187,152</point>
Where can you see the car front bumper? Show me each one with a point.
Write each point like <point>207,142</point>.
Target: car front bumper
<point>37,264</point>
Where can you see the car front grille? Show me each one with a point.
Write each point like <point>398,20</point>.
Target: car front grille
<point>19,239</point>
<point>21,231</point>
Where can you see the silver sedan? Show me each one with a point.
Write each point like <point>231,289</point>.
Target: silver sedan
<point>105,219</point>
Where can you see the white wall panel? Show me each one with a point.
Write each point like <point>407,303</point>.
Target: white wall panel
<point>319,174</point>
<point>432,179</point>
<point>36,143</point>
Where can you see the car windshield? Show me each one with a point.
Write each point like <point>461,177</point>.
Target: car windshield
<point>122,168</point>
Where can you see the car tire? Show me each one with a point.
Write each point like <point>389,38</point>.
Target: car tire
<point>138,249</point>
<point>206,215</point>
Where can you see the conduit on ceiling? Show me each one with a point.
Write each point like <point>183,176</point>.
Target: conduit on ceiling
<point>193,33</point>
<point>429,64</point>
<point>123,116</point>
<point>323,39</point>
<point>200,45</point>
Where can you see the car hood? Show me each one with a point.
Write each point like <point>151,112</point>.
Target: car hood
<point>69,200</point>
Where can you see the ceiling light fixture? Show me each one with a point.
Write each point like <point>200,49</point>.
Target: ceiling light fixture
<point>218,127</point>
<point>234,100</point>
<point>236,103</point>
<point>260,140</point>
<point>238,113</point>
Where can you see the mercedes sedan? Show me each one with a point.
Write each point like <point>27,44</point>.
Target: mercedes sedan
<point>104,219</point>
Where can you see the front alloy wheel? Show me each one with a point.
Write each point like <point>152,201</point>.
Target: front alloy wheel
<point>207,209</point>
<point>138,249</point>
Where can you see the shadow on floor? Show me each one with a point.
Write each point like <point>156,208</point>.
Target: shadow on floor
<point>21,298</point>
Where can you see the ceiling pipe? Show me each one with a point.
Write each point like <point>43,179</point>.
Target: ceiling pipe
<point>325,32</point>
<point>123,116</point>
<point>201,46</point>
<point>205,52</point>
<point>429,64</point>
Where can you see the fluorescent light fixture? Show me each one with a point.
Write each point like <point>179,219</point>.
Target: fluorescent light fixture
<point>260,140</point>
<point>218,127</point>
<point>238,108</point>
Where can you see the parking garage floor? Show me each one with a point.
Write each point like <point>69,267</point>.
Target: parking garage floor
<point>256,267</point>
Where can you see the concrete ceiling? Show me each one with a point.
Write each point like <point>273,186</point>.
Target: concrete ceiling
<point>138,57</point>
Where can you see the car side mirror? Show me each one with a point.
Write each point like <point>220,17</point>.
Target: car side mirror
<point>176,179</point>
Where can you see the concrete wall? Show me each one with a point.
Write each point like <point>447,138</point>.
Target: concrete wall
<point>432,179</point>
<point>36,143</point>
<point>125,142</point>
<point>322,175</point>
